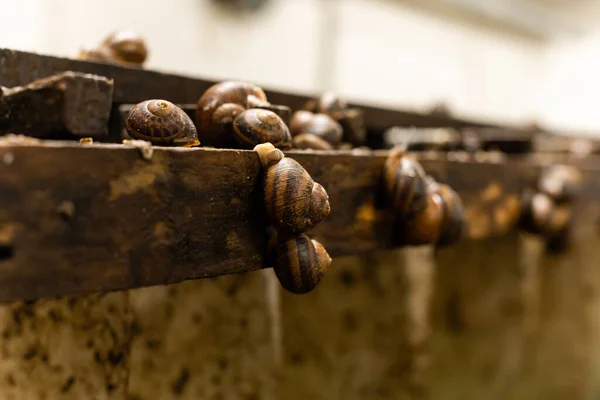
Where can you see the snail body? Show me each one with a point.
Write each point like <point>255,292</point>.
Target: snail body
<point>161,122</point>
<point>321,125</point>
<point>300,263</point>
<point>257,126</point>
<point>294,203</point>
<point>405,184</point>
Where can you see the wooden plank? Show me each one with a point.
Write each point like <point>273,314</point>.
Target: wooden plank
<point>102,217</point>
<point>133,85</point>
<point>67,103</point>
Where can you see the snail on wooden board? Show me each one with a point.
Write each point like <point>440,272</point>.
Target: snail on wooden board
<point>220,105</point>
<point>320,125</point>
<point>310,141</point>
<point>256,126</point>
<point>299,263</point>
<point>351,119</point>
<point>560,182</point>
<point>294,202</point>
<point>161,122</point>
<point>405,184</point>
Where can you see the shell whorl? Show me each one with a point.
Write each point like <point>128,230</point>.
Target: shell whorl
<point>405,184</point>
<point>160,121</point>
<point>300,263</point>
<point>257,126</point>
<point>294,202</point>
<point>321,125</point>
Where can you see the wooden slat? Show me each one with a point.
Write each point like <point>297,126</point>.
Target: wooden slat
<point>84,218</point>
<point>134,85</point>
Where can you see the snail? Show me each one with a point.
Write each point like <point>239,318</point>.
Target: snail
<point>351,119</point>
<point>321,125</point>
<point>560,182</point>
<point>294,202</point>
<point>299,263</point>
<point>257,126</point>
<point>542,215</point>
<point>441,222</point>
<point>220,104</point>
<point>99,54</point>
<point>310,141</point>
<point>161,122</point>
<point>127,46</point>
<point>405,184</point>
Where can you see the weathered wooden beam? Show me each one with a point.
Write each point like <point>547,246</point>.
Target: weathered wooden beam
<point>84,218</point>
<point>133,85</point>
<point>67,103</point>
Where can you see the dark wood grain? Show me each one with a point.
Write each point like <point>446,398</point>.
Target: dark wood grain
<point>85,218</point>
<point>67,103</point>
<point>133,85</point>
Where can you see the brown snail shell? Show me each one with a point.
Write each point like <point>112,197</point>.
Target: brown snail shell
<point>327,103</point>
<point>219,106</point>
<point>405,184</point>
<point>99,54</point>
<point>300,263</point>
<point>560,182</point>
<point>127,46</point>
<point>161,122</point>
<point>257,126</point>
<point>321,125</point>
<point>454,224</point>
<point>425,226</point>
<point>542,215</point>
<point>294,203</point>
<point>310,141</point>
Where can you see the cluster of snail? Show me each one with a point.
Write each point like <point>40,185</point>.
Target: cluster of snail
<point>426,212</point>
<point>294,204</point>
<point>547,208</point>
<point>122,47</point>
<point>236,114</point>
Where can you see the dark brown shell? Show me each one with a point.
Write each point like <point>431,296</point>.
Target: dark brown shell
<point>257,126</point>
<point>294,202</point>
<point>405,184</point>
<point>425,226</point>
<point>216,125</point>
<point>310,141</point>
<point>560,182</point>
<point>300,263</point>
<point>321,125</point>
<point>127,46</point>
<point>161,122</point>
<point>454,224</point>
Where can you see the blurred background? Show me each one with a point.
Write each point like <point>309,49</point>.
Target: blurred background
<point>511,61</point>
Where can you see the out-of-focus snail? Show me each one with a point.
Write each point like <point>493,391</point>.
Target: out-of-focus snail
<point>405,184</point>
<point>299,263</point>
<point>161,122</point>
<point>310,141</point>
<point>256,126</point>
<point>294,202</point>
<point>220,105</point>
<point>351,119</point>
<point>321,125</point>
<point>560,182</point>
<point>126,47</point>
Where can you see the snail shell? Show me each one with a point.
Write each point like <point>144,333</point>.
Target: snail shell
<point>454,224</point>
<point>310,141</point>
<point>405,184</point>
<point>560,182</point>
<point>294,202</point>
<point>257,126</point>
<point>100,54</point>
<point>219,106</point>
<point>127,46</point>
<point>300,263</point>
<point>327,103</point>
<point>542,215</point>
<point>321,125</point>
<point>161,122</point>
<point>425,226</point>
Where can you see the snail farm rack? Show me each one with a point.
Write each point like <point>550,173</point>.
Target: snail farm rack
<point>93,234</point>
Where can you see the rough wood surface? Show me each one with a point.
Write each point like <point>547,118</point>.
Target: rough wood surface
<point>121,220</point>
<point>56,106</point>
<point>362,334</point>
<point>134,85</point>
